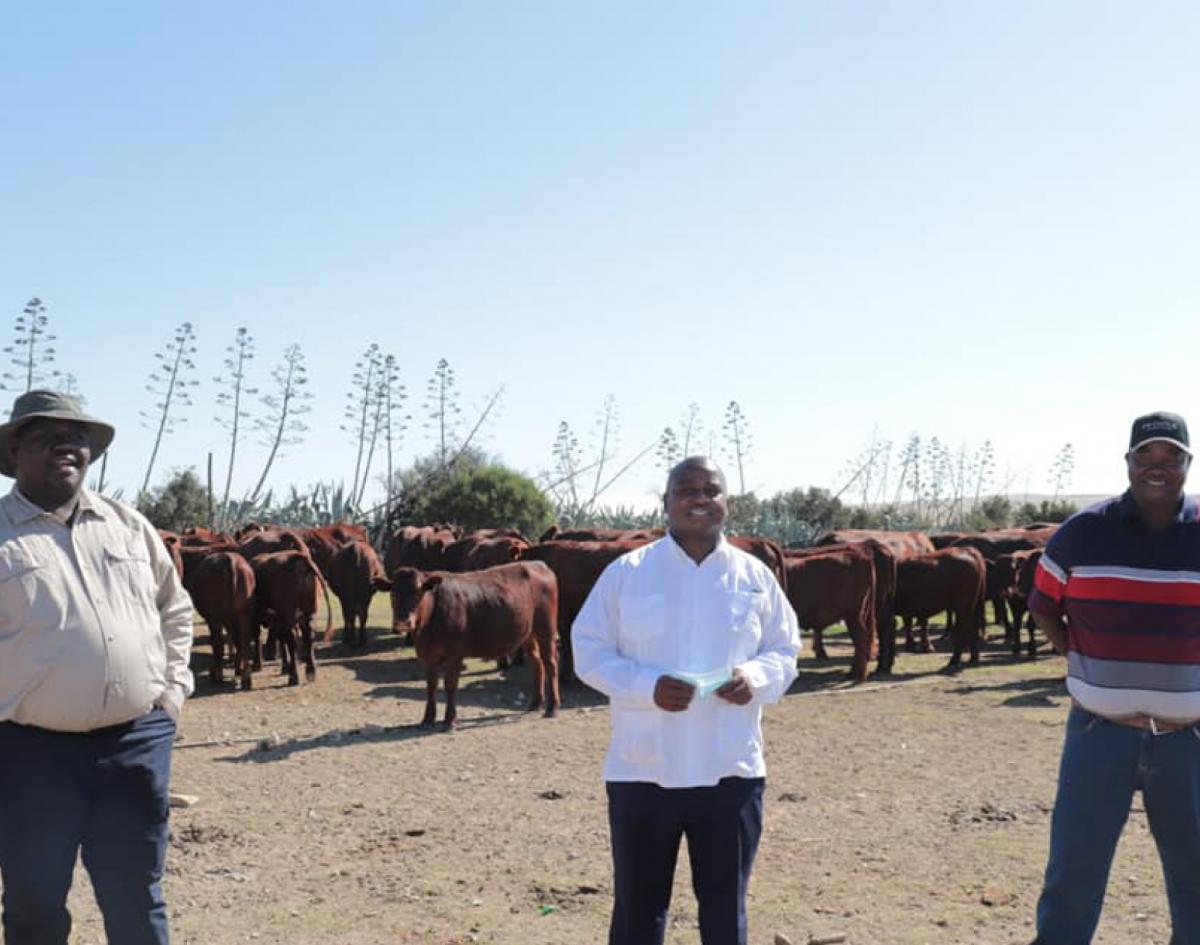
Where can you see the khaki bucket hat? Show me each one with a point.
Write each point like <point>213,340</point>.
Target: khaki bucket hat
<point>54,405</point>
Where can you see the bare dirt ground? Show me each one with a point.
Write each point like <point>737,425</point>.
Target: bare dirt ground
<point>911,812</point>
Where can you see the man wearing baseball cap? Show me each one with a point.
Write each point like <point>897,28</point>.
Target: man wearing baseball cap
<point>95,634</point>
<point>1118,591</point>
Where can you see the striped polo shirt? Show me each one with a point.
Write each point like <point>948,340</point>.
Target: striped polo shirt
<point>1131,601</point>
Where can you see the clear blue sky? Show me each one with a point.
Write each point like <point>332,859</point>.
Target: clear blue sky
<point>972,220</point>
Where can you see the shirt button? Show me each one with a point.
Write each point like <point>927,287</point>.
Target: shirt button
<point>110,638</point>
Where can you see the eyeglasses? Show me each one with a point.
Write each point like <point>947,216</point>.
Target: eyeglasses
<point>50,437</point>
<point>1179,461</point>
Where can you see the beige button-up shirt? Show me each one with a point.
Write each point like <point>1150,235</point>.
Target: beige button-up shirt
<point>95,626</point>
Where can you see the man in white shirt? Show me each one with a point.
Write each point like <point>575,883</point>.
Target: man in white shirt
<point>688,637</point>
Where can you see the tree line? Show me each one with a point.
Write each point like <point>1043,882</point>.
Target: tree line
<point>923,484</point>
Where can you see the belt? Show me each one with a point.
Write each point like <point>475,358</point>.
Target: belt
<point>1145,723</point>
<point>1150,724</point>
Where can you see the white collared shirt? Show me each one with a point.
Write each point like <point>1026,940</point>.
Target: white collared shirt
<point>655,611</point>
<point>95,626</point>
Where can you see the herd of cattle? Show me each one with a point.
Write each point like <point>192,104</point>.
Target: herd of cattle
<point>494,593</point>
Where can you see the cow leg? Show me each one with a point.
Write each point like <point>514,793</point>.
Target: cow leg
<point>819,652</point>
<point>910,642</point>
<point>926,646</point>
<point>862,648</point>
<point>964,625</point>
<point>256,643</point>
<point>362,624</point>
<point>546,643</point>
<point>216,637</point>
<point>974,634</point>
<point>949,628</point>
<point>287,652</point>
<point>431,681</point>
<point>306,647</point>
<point>453,671</point>
<point>887,646</point>
<point>566,661</point>
<point>539,673</point>
<point>347,623</point>
<point>247,637</point>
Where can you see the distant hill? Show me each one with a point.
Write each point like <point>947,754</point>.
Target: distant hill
<point>1079,501</point>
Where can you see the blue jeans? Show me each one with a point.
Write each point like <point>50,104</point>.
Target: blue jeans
<point>1103,764</point>
<point>722,824</point>
<point>102,793</point>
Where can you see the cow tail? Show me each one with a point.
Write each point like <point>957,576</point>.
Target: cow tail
<point>328,635</point>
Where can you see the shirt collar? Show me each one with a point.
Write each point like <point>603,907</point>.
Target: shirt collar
<point>22,511</point>
<point>1127,508</point>
<point>717,554</point>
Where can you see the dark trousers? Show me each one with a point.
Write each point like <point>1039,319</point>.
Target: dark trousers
<point>1103,765</point>
<point>103,793</point>
<point>722,825</point>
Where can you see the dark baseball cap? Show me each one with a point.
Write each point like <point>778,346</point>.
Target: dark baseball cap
<point>1159,426</point>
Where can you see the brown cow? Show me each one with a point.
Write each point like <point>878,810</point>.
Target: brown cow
<point>196,535</point>
<point>190,556</point>
<point>1024,566</point>
<point>577,566</point>
<point>555,533</point>
<point>902,543</point>
<point>221,585</point>
<point>172,542</point>
<point>286,596</point>
<point>485,533</point>
<point>951,579</point>
<point>825,586</point>
<point>417,546</point>
<point>484,614</point>
<point>421,547</point>
<point>992,544</point>
<point>271,540</point>
<point>765,550</point>
<point>886,555</point>
<point>356,574</point>
<point>474,554</point>
<point>325,542</point>
<point>340,532</point>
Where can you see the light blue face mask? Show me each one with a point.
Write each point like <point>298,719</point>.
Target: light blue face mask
<point>705,683</point>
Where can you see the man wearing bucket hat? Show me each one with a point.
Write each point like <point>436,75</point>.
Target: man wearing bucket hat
<point>1118,591</point>
<point>95,635</point>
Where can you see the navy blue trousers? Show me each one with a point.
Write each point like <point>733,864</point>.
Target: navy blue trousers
<point>722,824</point>
<point>101,793</point>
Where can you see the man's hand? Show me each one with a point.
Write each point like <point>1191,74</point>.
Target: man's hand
<point>673,695</point>
<point>737,690</point>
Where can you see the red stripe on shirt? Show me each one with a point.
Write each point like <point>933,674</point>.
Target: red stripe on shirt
<point>1048,583</point>
<point>1143,648</point>
<point>1133,591</point>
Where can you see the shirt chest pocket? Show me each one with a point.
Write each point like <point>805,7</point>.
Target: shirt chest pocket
<point>21,591</point>
<point>745,611</point>
<point>129,572</point>
<point>643,617</point>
